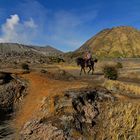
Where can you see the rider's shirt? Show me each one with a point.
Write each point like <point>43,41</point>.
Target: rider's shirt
<point>88,56</point>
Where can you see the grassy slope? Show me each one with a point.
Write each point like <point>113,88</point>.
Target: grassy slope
<point>116,42</point>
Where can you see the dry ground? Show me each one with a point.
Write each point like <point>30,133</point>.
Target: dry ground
<point>41,86</point>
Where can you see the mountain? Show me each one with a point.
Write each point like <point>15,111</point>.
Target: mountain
<point>123,41</point>
<point>20,48</point>
<point>48,50</point>
<point>14,52</point>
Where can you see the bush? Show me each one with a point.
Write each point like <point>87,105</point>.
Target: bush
<point>5,77</point>
<point>25,66</point>
<point>110,72</point>
<point>56,59</point>
<point>119,65</point>
<point>43,71</point>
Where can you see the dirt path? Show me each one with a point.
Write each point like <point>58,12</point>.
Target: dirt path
<point>39,87</point>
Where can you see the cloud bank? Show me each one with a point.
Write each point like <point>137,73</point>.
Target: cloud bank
<point>13,30</point>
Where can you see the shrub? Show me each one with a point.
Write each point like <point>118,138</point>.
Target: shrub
<point>110,72</point>
<point>43,71</point>
<point>25,66</point>
<point>56,59</point>
<point>119,65</point>
<point>5,77</point>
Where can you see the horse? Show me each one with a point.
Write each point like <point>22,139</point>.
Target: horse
<point>82,63</point>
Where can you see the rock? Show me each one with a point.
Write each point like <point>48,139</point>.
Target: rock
<point>75,116</point>
<point>2,81</point>
<point>11,93</point>
<point>37,130</point>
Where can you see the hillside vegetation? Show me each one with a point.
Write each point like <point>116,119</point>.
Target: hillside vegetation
<point>123,41</point>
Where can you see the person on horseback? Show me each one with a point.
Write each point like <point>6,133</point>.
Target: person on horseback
<point>88,58</point>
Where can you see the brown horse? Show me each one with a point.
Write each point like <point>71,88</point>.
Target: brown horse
<point>82,63</point>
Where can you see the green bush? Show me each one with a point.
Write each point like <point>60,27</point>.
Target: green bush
<point>110,72</point>
<point>25,66</point>
<point>119,65</point>
<point>54,59</point>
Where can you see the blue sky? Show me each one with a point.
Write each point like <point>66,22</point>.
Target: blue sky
<point>64,24</point>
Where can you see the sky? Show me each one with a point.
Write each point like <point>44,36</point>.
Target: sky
<point>63,24</point>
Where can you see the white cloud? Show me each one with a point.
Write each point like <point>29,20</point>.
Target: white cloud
<point>11,22</point>
<point>15,31</point>
<point>30,23</point>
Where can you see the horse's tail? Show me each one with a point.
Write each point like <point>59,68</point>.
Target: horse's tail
<point>95,60</point>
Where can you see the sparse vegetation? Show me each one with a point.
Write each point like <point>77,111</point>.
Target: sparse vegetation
<point>4,77</point>
<point>119,65</point>
<point>120,121</point>
<point>110,72</point>
<point>43,71</point>
<point>123,88</point>
<point>55,59</point>
<point>25,66</point>
<point>110,43</point>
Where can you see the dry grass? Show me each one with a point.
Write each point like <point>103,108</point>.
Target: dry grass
<point>122,87</point>
<point>131,75</point>
<point>120,121</point>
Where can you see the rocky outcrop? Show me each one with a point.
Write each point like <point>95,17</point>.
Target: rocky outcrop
<point>37,130</point>
<point>90,113</point>
<point>12,91</point>
<point>73,116</point>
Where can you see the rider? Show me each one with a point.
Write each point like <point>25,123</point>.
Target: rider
<point>88,57</point>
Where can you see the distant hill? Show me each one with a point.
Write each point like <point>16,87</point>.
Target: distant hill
<point>20,48</point>
<point>14,52</point>
<point>48,50</point>
<point>123,41</point>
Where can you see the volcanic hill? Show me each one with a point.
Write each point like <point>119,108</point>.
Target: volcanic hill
<point>122,41</point>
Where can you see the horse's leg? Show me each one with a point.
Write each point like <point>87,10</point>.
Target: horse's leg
<point>84,70</point>
<point>81,71</point>
<point>89,70</point>
<point>92,69</point>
